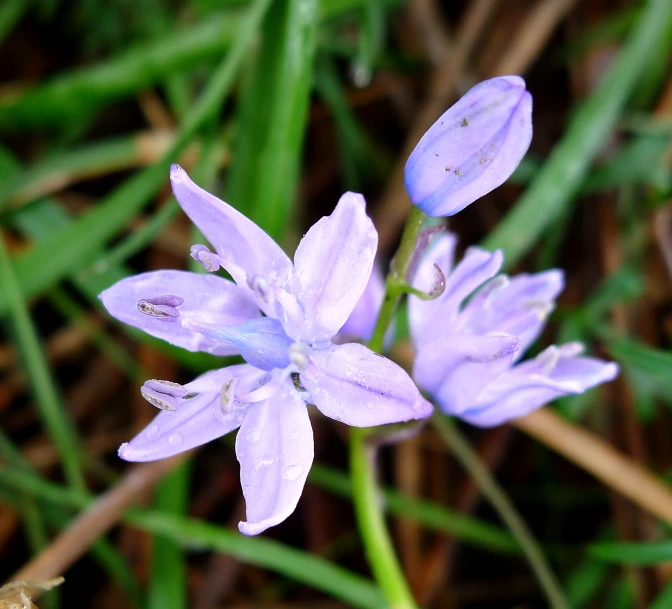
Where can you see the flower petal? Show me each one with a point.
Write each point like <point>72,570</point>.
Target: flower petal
<point>261,341</point>
<point>456,368</point>
<point>427,318</point>
<point>332,267</point>
<point>197,420</point>
<point>472,149</point>
<point>363,318</point>
<point>352,384</point>
<point>534,383</point>
<point>246,251</point>
<point>208,298</point>
<point>275,449</point>
<point>519,305</point>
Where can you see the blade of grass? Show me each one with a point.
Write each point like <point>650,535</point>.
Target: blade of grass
<point>67,249</point>
<point>272,117</point>
<point>195,534</point>
<point>554,188</point>
<point>63,99</point>
<point>643,554</point>
<point>168,576</point>
<point>102,550</point>
<point>434,517</point>
<point>506,510</point>
<point>10,13</point>
<point>664,599</point>
<point>58,424</point>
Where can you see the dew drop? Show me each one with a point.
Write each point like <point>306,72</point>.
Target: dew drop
<point>292,472</point>
<point>175,439</point>
<point>254,436</point>
<point>264,463</point>
<point>152,430</point>
<point>294,436</point>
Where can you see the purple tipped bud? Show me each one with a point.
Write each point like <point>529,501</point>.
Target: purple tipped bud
<point>472,149</point>
<point>202,254</point>
<point>165,395</point>
<point>161,307</point>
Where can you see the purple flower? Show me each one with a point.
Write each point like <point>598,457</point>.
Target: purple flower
<point>292,360</point>
<point>472,149</point>
<point>468,340</point>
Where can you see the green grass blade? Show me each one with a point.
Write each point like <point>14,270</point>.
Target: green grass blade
<point>70,248</point>
<point>560,178</point>
<point>273,112</point>
<point>192,533</point>
<point>56,420</point>
<point>168,577</point>
<point>434,517</point>
<point>641,554</point>
<point>10,13</point>
<point>664,599</point>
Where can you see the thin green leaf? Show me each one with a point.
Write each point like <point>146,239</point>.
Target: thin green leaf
<point>434,517</point>
<point>273,111</point>
<point>195,534</point>
<point>70,248</point>
<point>558,181</point>
<point>642,554</point>
<point>58,424</point>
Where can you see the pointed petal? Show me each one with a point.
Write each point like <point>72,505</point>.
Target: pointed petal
<point>196,421</point>
<point>208,298</point>
<point>363,318</point>
<point>472,149</point>
<point>275,449</point>
<point>332,267</point>
<point>455,369</point>
<point>518,306</point>
<point>261,341</point>
<point>427,318</point>
<point>246,251</point>
<point>528,386</point>
<point>352,384</point>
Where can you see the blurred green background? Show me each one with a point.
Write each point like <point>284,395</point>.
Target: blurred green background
<point>278,106</point>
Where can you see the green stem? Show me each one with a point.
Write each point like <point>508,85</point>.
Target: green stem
<point>365,492</point>
<point>368,508</point>
<point>396,280</point>
<point>506,510</point>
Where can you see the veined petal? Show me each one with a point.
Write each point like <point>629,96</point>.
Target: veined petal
<point>332,267</point>
<point>246,251</point>
<point>197,420</point>
<point>352,384</point>
<point>261,341</point>
<point>456,368</point>
<point>427,318</point>
<point>207,297</point>
<point>473,148</point>
<point>362,320</point>
<point>275,449</point>
<point>554,373</point>
<point>519,305</point>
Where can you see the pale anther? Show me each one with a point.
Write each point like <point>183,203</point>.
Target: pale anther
<point>161,307</point>
<point>202,254</point>
<point>226,395</point>
<point>298,355</point>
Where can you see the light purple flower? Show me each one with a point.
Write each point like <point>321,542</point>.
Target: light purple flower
<point>468,340</point>
<point>472,149</point>
<point>292,360</point>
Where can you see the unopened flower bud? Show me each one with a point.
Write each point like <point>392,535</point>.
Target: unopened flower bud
<point>472,149</point>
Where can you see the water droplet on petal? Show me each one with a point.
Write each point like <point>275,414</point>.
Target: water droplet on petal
<point>152,430</point>
<point>254,436</point>
<point>175,439</point>
<point>263,463</point>
<point>294,436</point>
<point>292,472</point>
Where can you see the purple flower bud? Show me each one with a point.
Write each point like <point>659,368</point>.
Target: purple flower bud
<point>472,149</point>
